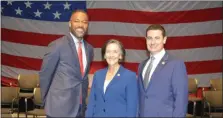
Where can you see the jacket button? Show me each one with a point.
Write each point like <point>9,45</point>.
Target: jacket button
<point>104,110</point>
<point>104,100</point>
<point>146,97</point>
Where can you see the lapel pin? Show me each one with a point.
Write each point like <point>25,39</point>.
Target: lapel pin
<point>163,62</point>
<point>118,74</point>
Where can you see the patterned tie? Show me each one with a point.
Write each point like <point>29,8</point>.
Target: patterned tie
<point>146,78</point>
<point>81,65</point>
<point>80,57</point>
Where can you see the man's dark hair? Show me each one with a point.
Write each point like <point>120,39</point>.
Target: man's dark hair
<point>157,27</point>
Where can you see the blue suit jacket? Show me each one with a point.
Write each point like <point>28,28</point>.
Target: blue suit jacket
<point>120,98</point>
<point>167,92</point>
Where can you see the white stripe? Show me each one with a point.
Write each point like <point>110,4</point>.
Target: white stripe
<point>135,56</point>
<point>130,29</point>
<point>12,72</point>
<point>203,79</point>
<point>155,6</point>
<point>23,50</point>
<point>111,28</point>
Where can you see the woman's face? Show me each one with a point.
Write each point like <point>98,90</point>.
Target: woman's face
<point>113,54</point>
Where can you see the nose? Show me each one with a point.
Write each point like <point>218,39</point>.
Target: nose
<point>80,24</point>
<point>111,54</point>
<point>153,41</point>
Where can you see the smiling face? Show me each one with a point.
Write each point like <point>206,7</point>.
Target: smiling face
<point>155,41</point>
<point>113,54</point>
<point>78,24</point>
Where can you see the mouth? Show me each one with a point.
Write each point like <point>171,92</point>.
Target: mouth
<point>80,31</point>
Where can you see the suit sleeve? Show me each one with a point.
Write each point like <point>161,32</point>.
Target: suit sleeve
<point>180,89</point>
<point>91,99</point>
<point>132,96</point>
<point>48,67</point>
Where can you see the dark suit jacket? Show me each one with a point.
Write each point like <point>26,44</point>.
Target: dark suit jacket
<point>167,92</point>
<point>61,80</point>
<point>120,98</point>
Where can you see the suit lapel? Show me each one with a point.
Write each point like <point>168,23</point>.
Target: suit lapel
<point>159,67</point>
<point>74,51</point>
<point>87,58</point>
<point>101,83</point>
<point>141,72</point>
<point>115,79</point>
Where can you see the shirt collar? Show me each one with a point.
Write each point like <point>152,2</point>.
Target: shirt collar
<point>75,39</point>
<point>160,54</point>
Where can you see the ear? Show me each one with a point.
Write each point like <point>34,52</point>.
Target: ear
<point>120,57</point>
<point>69,24</point>
<point>164,40</point>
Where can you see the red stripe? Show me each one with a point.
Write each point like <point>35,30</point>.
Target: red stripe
<point>139,43</point>
<point>6,81</point>
<point>151,17</point>
<point>21,62</point>
<point>199,67</point>
<point>182,42</point>
<point>27,37</point>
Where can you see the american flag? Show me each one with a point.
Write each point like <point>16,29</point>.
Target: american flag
<point>194,31</point>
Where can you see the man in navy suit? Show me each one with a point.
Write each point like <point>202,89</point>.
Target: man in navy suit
<point>163,81</point>
<point>63,75</point>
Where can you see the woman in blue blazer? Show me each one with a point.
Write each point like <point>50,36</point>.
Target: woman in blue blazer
<point>114,91</point>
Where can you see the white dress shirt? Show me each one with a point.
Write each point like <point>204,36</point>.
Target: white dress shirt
<point>83,49</point>
<point>156,61</point>
<point>106,84</point>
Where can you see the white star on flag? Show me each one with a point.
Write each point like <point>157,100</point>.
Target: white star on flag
<point>47,5</point>
<point>57,15</point>
<point>9,2</point>
<point>18,11</point>
<point>37,13</point>
<point>67,6</point>
<point>28,4</point>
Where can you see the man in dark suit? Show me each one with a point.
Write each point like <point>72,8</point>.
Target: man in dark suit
<point>163,81</point>
<point>64,71</point>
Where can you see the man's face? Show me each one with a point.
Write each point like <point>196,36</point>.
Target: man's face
<point>78,24</point>
<point>155,41</point>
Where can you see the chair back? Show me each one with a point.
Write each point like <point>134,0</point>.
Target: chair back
<point>37,96</point>
<point>216,84</point>
<point>8,94</point>
<point>192,85</point>
<point>214,98</point>
<point>29,81</point>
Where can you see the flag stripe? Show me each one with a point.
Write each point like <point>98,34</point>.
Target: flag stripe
<point>98,41</point>
<point>203,79</point>
<point>199,67</point>
<point>173,43</point>
<point>28,37</point>
<point>130,16</point>
<point>6,80</point>
<point>161,6</point>
<point>12,72</point>
<point>112,28</point>
<point>196,54</point>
